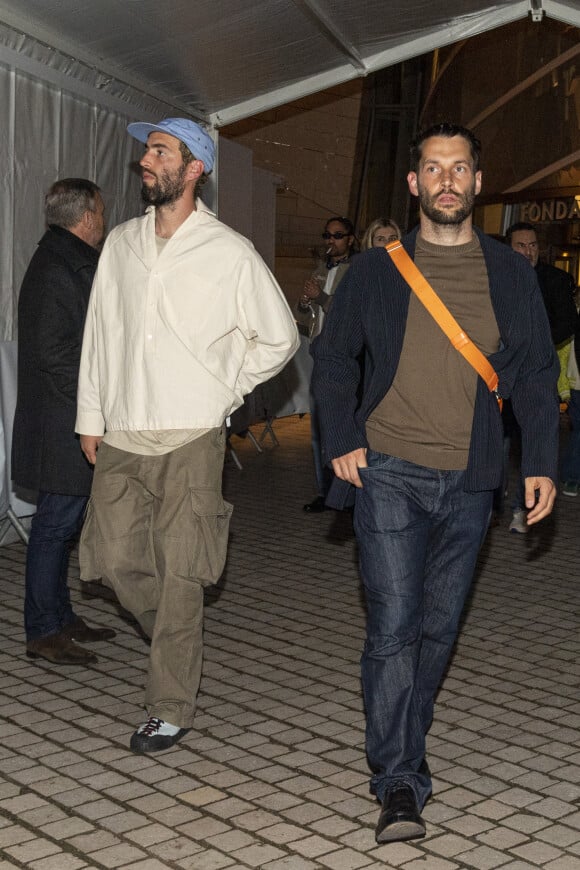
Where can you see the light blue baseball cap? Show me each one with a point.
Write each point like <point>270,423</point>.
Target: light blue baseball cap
<point>191,134</point>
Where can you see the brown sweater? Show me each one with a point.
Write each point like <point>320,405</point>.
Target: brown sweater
<point>427,414</point>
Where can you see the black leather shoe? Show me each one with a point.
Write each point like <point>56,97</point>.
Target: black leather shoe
<point>83,633</point>
<point>316,506</point>
<point>399,818</point>
<point>60,650</point>
<point>156,735</point>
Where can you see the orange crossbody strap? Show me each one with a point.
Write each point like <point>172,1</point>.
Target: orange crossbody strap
<point>442,316</point>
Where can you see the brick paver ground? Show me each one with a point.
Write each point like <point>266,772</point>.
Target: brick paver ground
<point>274,776</point>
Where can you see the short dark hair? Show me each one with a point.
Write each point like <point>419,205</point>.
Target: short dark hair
<point>348,228</point>
<point>68,200</point>
<point>188,157</point>
<point>447,130</point>
<point>521,225</point>
<point>347,224</point>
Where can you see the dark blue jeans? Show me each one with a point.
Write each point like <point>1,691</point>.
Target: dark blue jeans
<point>55,526</point>
<point>571,459</point>
<point>419,534</point>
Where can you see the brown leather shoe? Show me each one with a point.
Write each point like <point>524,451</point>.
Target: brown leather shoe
<point>60,650</point>
<point>83,633</point>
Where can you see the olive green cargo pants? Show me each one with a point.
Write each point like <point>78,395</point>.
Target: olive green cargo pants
<point>156,532</point>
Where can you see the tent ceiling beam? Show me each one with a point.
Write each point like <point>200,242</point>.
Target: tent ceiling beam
<point>326,25</point>
<point>563,163</point>
<point>555,63</point>
<point>251,56</point>
<point>453,32</point>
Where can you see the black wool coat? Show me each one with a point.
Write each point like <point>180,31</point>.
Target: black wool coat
<point>557,289</point>
<point>52,307</point>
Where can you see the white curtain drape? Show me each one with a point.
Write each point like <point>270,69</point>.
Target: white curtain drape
<point>48,133</point>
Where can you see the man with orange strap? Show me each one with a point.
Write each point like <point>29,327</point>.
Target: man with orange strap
<point>422,447</point>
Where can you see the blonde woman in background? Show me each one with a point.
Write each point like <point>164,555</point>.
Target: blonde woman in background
<point>380,233</point>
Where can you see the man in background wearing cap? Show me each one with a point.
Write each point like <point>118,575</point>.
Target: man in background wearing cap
<point>184,320</point>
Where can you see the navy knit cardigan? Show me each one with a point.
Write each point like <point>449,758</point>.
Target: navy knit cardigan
<point>368,317</point>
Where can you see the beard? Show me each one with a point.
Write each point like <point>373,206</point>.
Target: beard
<point>445,216</point>
<point>166,190</point>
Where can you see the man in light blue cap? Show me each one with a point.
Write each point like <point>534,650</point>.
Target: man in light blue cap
<point>179,135</point>
<point>191,135</point>
<point>184,321</point>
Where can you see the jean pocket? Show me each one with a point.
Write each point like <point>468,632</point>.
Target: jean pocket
<point>377,461</point>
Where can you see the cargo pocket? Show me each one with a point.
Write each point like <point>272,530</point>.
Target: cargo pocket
<point>88,561</point>
<point>115,537</point>
<point>211,524</point>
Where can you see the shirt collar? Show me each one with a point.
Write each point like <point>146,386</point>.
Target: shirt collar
<point>331,265</point>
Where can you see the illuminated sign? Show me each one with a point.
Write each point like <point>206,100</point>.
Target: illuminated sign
<point>550,210</point>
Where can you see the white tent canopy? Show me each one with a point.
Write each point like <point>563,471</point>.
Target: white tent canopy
<point>73,73</point>
<point>222,60</point>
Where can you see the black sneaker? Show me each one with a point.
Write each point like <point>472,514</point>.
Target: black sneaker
<point>400,818</point>
<point>156,735</point>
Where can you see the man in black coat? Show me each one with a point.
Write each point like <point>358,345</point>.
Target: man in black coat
<point>46,456</point>
<point>557,289</point>
<point>556,285</point>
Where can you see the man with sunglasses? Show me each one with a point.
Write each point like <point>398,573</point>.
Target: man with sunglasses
<point>313,305</point>
<point>420,443</point>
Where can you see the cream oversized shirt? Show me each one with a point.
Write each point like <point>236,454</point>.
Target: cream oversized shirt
<point>176,341</point>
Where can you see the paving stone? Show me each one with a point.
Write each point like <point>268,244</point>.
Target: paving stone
<point>66,828</point>
<point>176,849</point>
<point>312,847</point>
<point>273,774</point>
<point>538,853</point>
<point>231,841</point>
<point>124,821</point>
<point>449,845</point>
<point>345,859</point>
<point>201,797</point>
<point>32,850</point>
<point>59,861</point>
<point>13,834</point>
<point>291,862</point>
<point>117,856</point>
<point>210,859</point>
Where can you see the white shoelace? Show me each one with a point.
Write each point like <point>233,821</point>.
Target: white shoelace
<point>155,726</point>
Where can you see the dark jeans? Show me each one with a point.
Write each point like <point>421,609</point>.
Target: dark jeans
<point>570,471</point>
<point>55,526</point>
<point>419,534</point>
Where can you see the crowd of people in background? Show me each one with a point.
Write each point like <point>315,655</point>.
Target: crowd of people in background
<point>562,302</point>
<point>184,320</point>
